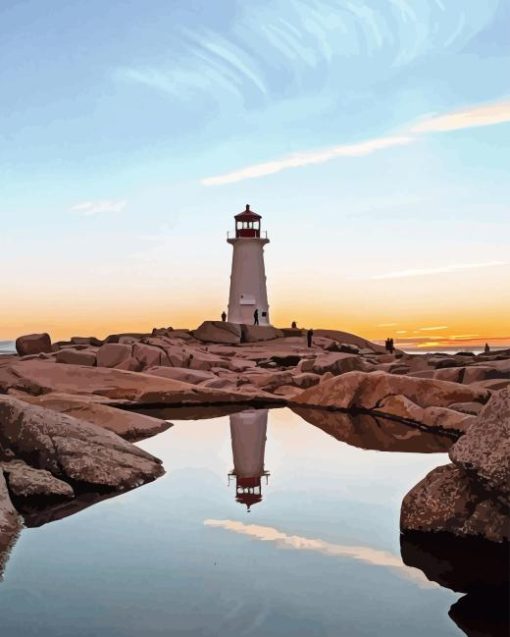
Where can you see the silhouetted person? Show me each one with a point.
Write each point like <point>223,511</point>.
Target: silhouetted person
<point>223,316</point>
<point>309,337</point>
<point>392,346</point>
<point>294,325</point>
<point>387,344</point>
<point>487,349</point>
<point>256,317</point>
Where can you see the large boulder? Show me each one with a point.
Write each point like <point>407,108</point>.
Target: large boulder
<point>218,332</point>
<point>126,424</point>
<point>33,344</point>
<point>448,500</point>
<point>113,354</point>
<point>73,449</point>
<point>26,482</point>
<point>368,390</point>
<point>484,451</point>
<point>258,333</point>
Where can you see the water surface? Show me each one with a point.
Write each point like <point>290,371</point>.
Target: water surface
<point>317,555</point>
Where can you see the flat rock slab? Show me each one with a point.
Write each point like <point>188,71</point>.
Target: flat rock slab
<point>126,424</point>
<point>42,377</point>
<point>73,449</point>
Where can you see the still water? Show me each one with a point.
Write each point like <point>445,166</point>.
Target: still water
<point>317,554</point>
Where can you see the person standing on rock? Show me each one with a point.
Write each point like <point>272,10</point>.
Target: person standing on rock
<point>309,337</point>
<point>223,316</point>
<point>256,317</point>
<point>487,349</point>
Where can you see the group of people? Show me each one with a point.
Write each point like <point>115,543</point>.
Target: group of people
<point>389,345</point>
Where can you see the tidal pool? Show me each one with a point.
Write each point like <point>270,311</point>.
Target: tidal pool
<point>264,524</point>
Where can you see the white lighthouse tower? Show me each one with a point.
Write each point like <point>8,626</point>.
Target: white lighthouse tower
<point>248,278</point>
<point>248,431</point>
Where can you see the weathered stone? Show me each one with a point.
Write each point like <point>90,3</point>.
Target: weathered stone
<point>26,482</point>
<point>73,449</point>
<point>112,354</point>
<point>448,500</point>
<point>484,451</point>
<point>76,357</point>
<point>218,332</point>
<point>33,344</point>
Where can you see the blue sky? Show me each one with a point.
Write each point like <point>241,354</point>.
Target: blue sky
<point>382,128</point>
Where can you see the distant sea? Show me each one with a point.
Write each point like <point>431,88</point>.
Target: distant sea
<point>7,347</point>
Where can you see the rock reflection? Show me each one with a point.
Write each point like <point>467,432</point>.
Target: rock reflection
<point>372,432</point>
<point>248,432</point>
<point>7,542</point>
<point>476,567</point>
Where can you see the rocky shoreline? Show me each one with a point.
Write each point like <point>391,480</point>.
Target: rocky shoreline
<point>68,411</point>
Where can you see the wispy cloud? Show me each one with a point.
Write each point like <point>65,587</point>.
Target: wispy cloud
<point>400,274</point>
<point>433,328</point>
<point>365,554</point>
<point>479,115</point>
<point>470,117</point>
<point>307,158</point>
<point>89,208</point>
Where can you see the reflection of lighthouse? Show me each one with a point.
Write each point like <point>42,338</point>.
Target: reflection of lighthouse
<point>248,433</point>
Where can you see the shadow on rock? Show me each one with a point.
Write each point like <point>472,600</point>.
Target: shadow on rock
<point>373,432</point>
<point>476,567</point>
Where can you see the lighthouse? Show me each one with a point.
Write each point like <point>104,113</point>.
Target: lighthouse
<point>248,434</point>
<point>248,277</point>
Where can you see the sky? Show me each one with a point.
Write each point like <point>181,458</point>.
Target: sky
<point>373,136</point>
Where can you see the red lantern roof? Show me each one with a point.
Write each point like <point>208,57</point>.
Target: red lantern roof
<point>247,215</point>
